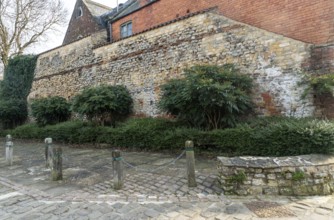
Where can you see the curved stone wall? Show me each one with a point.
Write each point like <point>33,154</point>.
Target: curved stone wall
<point>295,175</point>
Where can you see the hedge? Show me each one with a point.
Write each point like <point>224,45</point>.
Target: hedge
<point>286,137</point>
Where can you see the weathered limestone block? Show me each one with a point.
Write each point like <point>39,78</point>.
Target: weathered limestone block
<point>260,176</point>
<point>284,182</point>
<point>270,191</point>
<point>258,182</point>
<point>285,191</point>
<point>272,183</point>
<point>300,189</point>
<point>271,176</point>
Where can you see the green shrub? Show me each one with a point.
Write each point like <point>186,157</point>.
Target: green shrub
<point>13,112</point>
<point>147,134</point>
<point>318,84</point>
<point>14,90</point>
<point>287,137</point>
<point>67,132</point>
<point>262,122</point>
<point>104,104</point>
<point>234,141</point>
<point>210,97</point>
<point>18,77</point>
<point>64,132</point>
<point>295,138</point>
<point>28,131</point>
<point>48,111</point>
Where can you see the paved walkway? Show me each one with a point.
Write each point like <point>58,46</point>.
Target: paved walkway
<point>86,192</point>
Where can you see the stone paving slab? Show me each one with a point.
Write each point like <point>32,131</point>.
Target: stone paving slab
<point>26,191</point>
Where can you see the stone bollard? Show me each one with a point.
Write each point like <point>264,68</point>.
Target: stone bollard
<point>117,169</point>
<point>48,152</point>
<point>9,149</point>
<point>57,164</point>
<point>190,155</point>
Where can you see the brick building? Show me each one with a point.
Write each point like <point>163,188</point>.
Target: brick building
<point>85,20</point>
<point>305,20</point>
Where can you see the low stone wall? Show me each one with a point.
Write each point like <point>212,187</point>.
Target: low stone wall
<point>299,175</point>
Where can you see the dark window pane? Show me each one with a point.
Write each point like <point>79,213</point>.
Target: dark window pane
<point>126,30</point>
<point>129,29</point>
<point>123,31</point>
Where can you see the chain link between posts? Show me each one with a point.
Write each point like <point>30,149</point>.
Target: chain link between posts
<point>163,166</point>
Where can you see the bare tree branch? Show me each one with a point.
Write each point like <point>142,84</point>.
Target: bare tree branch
<point>25,22</point>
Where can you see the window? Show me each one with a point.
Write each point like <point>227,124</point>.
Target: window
<point>126,29</point>
<point>79,12</point>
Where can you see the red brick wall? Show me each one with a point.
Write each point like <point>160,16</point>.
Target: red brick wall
<point>310,21</point>
<point>80,26</point>
<point>322,59</point>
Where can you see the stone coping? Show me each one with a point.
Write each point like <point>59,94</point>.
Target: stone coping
<point>275,162</point>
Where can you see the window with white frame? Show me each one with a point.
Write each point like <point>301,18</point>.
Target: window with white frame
<point>126,29</point>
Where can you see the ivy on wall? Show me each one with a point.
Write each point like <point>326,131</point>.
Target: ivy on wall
<point>14,90</point>
<point>319,84</point>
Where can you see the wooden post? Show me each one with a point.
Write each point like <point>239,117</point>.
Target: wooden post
<point>57,164</point>
<point>117,169</point>
<point>9,149</point>
<point>190,164</point>
<point>48,152</point>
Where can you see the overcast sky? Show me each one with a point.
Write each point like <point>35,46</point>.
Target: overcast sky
<point>56,39</point>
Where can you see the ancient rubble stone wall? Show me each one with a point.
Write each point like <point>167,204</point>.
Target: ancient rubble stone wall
<point>146,61</point>
<point>299,175</point>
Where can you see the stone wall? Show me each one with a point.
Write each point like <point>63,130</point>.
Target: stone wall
<point>306,20</point>
<point>300,175</point>
<point>144,62</point>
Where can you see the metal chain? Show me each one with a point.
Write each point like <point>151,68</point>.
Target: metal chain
<point>155,169</point>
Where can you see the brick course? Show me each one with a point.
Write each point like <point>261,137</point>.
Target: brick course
<point>305,20</point>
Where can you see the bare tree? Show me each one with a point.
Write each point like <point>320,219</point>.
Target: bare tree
<point>24,22</point>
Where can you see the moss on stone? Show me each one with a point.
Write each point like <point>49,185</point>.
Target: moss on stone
<point>298,176</point>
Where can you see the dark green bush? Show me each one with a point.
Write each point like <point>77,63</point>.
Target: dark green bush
<point>64,132</point>
<point>297,138</point>
<point>104,104</point>
<point>28,131</point>
<point>285,137</point>
<point>67,132</point>
<point>209,97</point>
<point>261,122</point>
<point>14,90</point>
<point>145,134</point>
<point>13,112</point>
<point>318,84</point>
<point>18,77</point>
<point>233,141</point>
<point>48,111</point>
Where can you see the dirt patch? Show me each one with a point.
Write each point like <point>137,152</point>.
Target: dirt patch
<point>268,209</point>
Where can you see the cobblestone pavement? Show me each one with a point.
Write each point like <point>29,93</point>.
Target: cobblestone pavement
<point>86,192</point>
